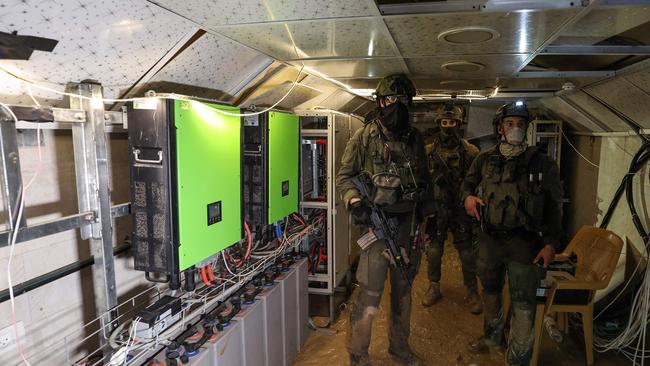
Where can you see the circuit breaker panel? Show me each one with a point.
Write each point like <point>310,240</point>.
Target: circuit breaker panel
<point>185,165</point>
<point>271,165</point>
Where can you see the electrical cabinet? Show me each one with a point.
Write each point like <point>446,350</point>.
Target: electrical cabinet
<point>324,136</point>
<point>185,164</point>
<point>271,165</point>
<point>547,135</point>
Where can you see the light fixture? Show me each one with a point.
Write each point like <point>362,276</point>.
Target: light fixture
<point>468,35</point>
<point>519,103</point>
<point>462,66</point>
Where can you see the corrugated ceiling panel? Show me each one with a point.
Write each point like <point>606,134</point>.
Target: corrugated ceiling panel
<point>270,94</point>
<point>560,109</point>
<point>493,66</point>
<point>640,79</point>
<point>331,38</point>
<point>212,62</point>
<point>98,40</point>
<point>600,24</point>
<point>603,115</point>
<point>217,13</point>
<point>626,98</point>
<point>337,100</point>
<point>518,32</point>
<point>355,68</point>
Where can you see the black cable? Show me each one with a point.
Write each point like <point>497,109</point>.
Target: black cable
<point>629,193</point>
<point>636,164</point>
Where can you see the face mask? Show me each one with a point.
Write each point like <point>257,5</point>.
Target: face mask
<point>448,131</point>
<point>515,136</point>
<point>395,117</point>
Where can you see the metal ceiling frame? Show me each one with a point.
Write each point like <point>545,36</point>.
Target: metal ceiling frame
<point>545,48</point>
<point>564,74</point>
<point>596,50</point>
<point>476,6</point>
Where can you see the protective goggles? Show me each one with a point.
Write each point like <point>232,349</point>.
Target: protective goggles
<point>390,99</point>
<point>448,122</point>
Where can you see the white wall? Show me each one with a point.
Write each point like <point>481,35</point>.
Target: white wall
<point>613,155</point>
<point>62,307</point>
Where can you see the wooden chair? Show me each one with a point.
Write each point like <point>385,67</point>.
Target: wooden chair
<point>598,251</point>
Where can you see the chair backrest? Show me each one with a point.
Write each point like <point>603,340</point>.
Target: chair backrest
<point>598,251</point>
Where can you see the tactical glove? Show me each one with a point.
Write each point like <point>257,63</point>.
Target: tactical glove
<point>360,213</point>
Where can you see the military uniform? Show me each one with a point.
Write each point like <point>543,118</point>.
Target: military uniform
<point>453,156</point>
<point>376,150</point>
<point>522,214</point>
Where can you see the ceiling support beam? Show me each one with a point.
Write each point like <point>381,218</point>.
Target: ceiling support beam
<point>596,50</point>
<point>476,6</point>
<point>564,74</point>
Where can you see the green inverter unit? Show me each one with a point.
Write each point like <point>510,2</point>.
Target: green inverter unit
<point>185,165</point>
<point>271,167</point>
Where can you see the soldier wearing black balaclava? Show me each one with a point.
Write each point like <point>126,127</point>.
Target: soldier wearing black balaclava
<point>515,190</point>
<point>392,152</point>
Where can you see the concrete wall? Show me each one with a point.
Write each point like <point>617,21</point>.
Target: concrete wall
<point>62,307</point>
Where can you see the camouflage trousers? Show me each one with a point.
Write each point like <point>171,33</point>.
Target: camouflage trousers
<point>512,255</point>
<point>371,276</point>
<point>454,220</point>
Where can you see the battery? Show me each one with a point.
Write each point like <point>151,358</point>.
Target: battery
<point>303,302</point>
<point>288,282</point>
<point>251,317</point>
<point>271,300</point>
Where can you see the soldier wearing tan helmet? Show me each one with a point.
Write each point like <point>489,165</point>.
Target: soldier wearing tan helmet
<point>389,150</point>
<point>449,157</point>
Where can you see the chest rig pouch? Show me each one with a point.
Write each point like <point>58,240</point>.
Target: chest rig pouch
<point>393,172</point>
<point>444,175</point>
<point>513,191</point>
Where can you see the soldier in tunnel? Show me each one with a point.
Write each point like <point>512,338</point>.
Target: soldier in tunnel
<point>515,191</point>
<point>392,152</point>
<point>449,157</point>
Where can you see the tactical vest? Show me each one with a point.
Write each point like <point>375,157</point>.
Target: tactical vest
<point>387,159</point>
<point>457,162</point>
<point>512,190</point>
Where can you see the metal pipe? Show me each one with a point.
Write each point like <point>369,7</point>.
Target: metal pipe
<point>56,274</point>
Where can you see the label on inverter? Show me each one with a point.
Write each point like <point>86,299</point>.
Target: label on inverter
<point>251,121</point>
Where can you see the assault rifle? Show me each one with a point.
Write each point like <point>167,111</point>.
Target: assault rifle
<point>446,173</point>
<point>383,227</point>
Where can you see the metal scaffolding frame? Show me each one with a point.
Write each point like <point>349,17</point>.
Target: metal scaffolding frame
<point>90,123</point>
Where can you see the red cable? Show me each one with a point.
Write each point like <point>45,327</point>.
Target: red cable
<point>210,274</point>
<point>299,219</point>
<point>250,240</point>
<point>204,277</point>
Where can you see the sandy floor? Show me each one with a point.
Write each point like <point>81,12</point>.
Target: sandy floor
<point>439,334</point>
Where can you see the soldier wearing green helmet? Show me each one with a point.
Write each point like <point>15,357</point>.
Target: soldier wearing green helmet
<point>515,190</point>
<point>392,152</point>
<point>450,156</point>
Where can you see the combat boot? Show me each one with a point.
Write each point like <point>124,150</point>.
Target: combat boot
<point>432,295</point>
<point>405,357</point>
<point>474,301</point>
<point>482,345</point>
<point>360,360</point>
